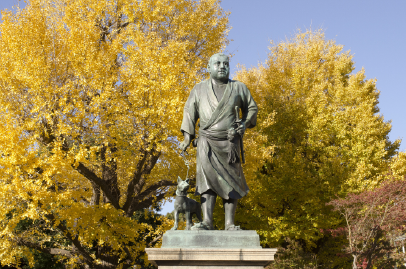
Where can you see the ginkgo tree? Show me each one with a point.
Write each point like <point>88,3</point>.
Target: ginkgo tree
<point>91,97</point>
<point>326,132</point>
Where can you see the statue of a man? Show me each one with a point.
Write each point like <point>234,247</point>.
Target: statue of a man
<point>216,102</point>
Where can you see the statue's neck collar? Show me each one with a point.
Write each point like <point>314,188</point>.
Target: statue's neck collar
<point>219,82</point>
<point>180,193</point>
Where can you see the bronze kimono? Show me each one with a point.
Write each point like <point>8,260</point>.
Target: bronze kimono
<point>214,170</point>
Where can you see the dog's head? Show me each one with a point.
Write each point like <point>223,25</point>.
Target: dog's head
<point>183,185</point>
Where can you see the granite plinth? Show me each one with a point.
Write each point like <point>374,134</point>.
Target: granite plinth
<point>210,250</point>
<point>211,239</point>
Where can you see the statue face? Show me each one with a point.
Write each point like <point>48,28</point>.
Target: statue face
<point>219,67</point>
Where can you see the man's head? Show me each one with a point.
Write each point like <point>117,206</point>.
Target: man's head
<point>219,67</point>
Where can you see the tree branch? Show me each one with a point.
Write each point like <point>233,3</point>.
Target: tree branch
<point>96,195</point>
<point>141,204</point>
<point>92,177</point>
<point>74,239</point>
<point>134,181</point>
<point>144,167</point>
<point>155,240</point>
<point>52,251</point>
<point>109,174</point>
<point>148,191</point>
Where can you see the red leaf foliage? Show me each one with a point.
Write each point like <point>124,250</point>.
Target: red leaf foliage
<point>373,219</point>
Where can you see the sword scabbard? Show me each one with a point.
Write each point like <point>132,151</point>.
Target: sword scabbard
<point>238,121</point>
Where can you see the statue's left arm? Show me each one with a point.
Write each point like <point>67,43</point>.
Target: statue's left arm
<point>249,108</point>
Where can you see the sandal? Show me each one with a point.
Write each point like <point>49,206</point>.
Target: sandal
<point>233,228</point>
<point>200,226</point>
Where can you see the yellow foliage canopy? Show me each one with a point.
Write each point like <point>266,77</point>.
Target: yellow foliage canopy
<point>91,94</point>
<point>328,138</point>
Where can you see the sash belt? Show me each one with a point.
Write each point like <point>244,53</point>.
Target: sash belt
<point>233,155</point>
<point>216,136</point>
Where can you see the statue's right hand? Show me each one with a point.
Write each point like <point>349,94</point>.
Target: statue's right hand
<point>184,145</point>
<point>186,142</point>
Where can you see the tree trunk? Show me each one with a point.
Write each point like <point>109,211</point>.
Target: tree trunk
<point>354,263</point>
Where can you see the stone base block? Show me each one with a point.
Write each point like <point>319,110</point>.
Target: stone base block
<point>211,239</point>
<point>212,267</point>
<point>210,250</point>
<point>202,258</point>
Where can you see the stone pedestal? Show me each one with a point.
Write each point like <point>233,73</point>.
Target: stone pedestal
<point>210,250</point>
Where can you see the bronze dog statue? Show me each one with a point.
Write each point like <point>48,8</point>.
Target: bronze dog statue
<point>185,205</point>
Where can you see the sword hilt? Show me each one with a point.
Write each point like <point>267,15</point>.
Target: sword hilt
<point>237,114</point>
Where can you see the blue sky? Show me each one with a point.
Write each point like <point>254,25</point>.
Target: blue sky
<point>374,31</point>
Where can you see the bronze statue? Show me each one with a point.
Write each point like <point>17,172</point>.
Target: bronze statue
<point>216,102</point>
<point>185,205</point>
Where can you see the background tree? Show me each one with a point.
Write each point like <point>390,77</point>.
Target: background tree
<point>373,220</point>
<point>292,255</point>
<point>91,94</point>
<point>327,134</point>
